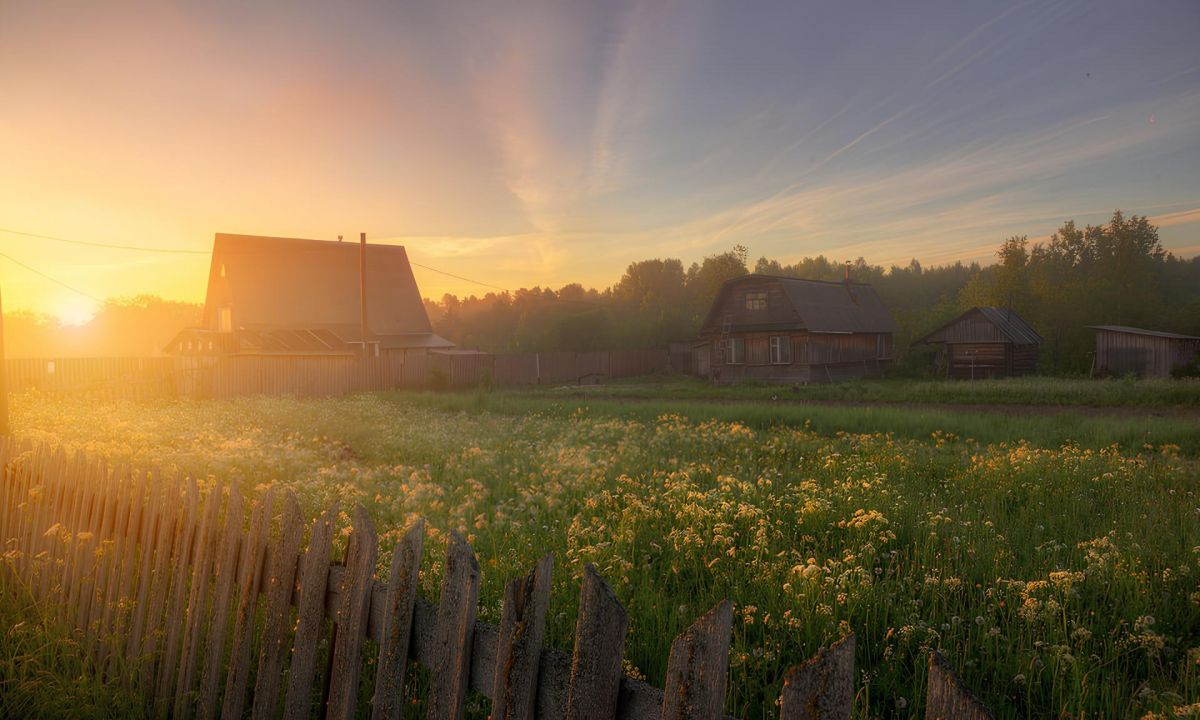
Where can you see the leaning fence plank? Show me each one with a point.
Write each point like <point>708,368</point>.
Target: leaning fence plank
<point>696,669</point>
<point>48,534</point>
<point>127,580</point>
<point>946,698</point>
<point>166,547</point>
<point>202,572</point>
<point>84,542</point>
<point>352,618</point>
<point>452,636</point>
<point>519,646</point>
<point>151,518</point>
<point>240,655</point>
<point>114,562</point>
<point>214,655</point>
<point>71,526</point>
<point>311,584</point>
<point>175,625</point>
<point>823,687</point>
<point>278,586</point>
<point>104,548</point>
<point>599,646</point>
<point>403,582</point>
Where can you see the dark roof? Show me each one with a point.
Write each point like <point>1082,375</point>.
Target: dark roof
<point>288,283</point>
<point>825,307</point>
<point>1011,325</point>
<point>1139,331</point>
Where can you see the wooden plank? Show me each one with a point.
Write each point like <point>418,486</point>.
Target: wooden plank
<point>31,513</point>
<point>176,605</point>
<point>310,595</point>
<point>240,655</point>
<point>104,545</point>
<point>230,538</point>
<point>127,580</point>
<point>352,618</point>
<point>114,562</point>
<point>519,646</point>
<point>403,585</point>
<point>278,587</point>
<point>697,668</point>
<point>166,543</point>
<point>454,631</point>
<point>202,572</point>
<point>75,480</point>
<point>822,688</point>
<point>83,555</point>
<point>47,536</point>
<point>599,647</point>
<point>947,698</point>
<point>147,534</point>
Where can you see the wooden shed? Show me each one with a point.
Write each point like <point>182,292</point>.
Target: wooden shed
<point>782,329</point>
<point>1122,350</point>
<point>987,342</point>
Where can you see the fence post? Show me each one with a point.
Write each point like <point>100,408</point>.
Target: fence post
<point>595,684</point>
<point>214,655</point>
<point>280,581</point>
<point>352,618</point>
<point>519,643</point>
<point>455,626</point>
<point>823,687</point>
<point>397,624</point>
<point>310,606</point>
<point>946,698</point>
<point>697,668</point>
<point>202,570</point>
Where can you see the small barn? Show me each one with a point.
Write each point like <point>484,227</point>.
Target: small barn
<point>781,329</point>
<point>1122,350</point>
<point>987,342</point>
<point>270,296</point>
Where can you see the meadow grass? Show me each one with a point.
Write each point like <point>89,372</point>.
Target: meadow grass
<point>43,668</point>
<point>1058,579</point>
<point>1044,391</point>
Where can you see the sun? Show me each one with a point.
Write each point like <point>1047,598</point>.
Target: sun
<point>75,312</point>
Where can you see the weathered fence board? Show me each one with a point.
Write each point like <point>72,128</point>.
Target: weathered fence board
<point>352,617</point>
<point>595,683</point>
<point>397,625</point>
<point>823,687</point>
<point>946,698</point>
<point>454,631</point>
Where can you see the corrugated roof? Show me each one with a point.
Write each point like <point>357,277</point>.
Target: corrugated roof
<point>838,307</point>
<point>1011,325</point>
<point>1142,331</point>
<point>289,283</point>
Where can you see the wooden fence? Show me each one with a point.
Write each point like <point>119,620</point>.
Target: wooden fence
<point>325,376</point>
<point>202,613</point>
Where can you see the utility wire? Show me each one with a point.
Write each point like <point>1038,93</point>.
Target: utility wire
<point>459,277</point>
<point>175,251</point>
<point>54,280</point>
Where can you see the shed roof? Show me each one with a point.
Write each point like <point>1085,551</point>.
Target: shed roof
<point>1140,331</point>
<point>1011,325</point>
<point>823,306</point>
<point>278,283</point>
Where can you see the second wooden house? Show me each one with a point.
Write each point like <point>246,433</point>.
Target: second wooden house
<point>781,329</point>
<point>987,342</point>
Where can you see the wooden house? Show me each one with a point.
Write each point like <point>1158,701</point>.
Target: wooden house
<point>271,296</point>
<point>781,329</point>
<point>1122,350</point>
<point>987,342</point>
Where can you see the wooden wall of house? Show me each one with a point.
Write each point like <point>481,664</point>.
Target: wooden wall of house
<point>984,360</point>
<point>1120,353</point>
<point>816,357</point>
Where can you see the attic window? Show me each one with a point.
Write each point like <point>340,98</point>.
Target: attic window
<point>756,301</point>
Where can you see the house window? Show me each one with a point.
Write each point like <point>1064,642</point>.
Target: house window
<point>756,301</point>
<point>781,350</point>
<point>735,351</point>
<point>225,320</point>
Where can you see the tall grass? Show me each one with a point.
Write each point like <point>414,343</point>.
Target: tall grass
<point>1059,580</point>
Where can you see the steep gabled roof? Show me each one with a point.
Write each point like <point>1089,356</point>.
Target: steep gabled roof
<point>822,306</point>
<point>1009,324</point>
<point>288,283</point>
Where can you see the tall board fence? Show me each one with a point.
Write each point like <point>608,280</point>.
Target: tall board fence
<point>326,376</point>
<point>207,604</point>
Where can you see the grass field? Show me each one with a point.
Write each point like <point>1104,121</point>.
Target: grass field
<point>1061,578</point>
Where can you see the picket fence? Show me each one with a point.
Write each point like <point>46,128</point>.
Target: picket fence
<point>172,591</point>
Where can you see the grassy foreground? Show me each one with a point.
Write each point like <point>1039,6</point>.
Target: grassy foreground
<point>1061,580</point>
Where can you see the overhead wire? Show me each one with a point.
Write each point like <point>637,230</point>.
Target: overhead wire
<point>51,278</point>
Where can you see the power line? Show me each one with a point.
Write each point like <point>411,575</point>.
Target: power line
<point>459,277</point>
<point>110,246</point>
<point>51,279</point>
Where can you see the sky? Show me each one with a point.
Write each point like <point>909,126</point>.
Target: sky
<point>522,144</point>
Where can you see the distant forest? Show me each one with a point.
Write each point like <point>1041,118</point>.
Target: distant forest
<point>1111,274</point>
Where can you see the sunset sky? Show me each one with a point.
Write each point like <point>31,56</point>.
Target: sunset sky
<point>558,142</point>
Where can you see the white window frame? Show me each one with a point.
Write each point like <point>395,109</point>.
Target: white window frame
<point>735,351</point>
<point>780,352</point>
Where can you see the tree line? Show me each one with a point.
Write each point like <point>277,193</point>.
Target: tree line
<point>1116,273</point>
